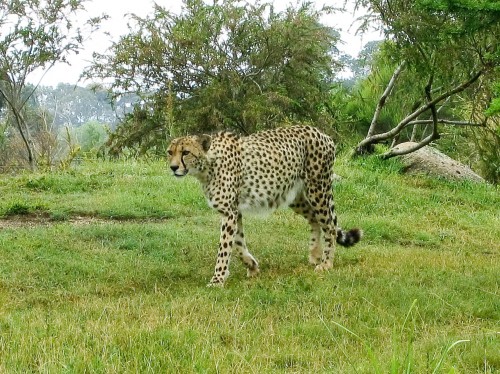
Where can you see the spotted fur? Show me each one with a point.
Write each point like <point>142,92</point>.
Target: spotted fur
<point>261,172</point>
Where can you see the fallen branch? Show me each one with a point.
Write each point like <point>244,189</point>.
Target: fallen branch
<point>393,152</point>
<point>434,135</point>
<point>383,99</point>
<point>432,107</point>
<point>444,122</point>
<point>368,141</point>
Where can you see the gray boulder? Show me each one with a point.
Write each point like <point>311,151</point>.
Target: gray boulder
<point>433,162</point>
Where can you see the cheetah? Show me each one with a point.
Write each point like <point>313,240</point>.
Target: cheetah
<point>283,167</point>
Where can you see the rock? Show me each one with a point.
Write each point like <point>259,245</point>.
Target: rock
<point>433,162</point>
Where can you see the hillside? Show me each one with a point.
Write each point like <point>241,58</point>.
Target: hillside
<point>103,269</point>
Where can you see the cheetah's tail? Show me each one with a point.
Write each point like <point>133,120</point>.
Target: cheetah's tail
<point>349,238</point>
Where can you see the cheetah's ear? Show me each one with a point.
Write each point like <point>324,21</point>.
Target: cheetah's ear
<point>205,141</point>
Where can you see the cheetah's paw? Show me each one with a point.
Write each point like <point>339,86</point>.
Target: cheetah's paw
<point>216,282</point>
<point>253,272</point>
<point>324,266</point>
<point>314,260</point>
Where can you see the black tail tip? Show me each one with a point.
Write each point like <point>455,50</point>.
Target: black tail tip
<point>349,238</point>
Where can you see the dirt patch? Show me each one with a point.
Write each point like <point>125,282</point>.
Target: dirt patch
<point>32,220</point>
<point>36,220</point>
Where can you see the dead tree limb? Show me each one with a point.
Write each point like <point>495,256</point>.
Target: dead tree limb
<point>444,122</point>
<point>432,107</point>
<point>435,131</point>
<point>396,152</point>
<point>383,98</point>
<point>377,138</point>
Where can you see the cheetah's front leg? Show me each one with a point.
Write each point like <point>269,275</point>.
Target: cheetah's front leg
<point>229,227</point>
<point>241,249</point>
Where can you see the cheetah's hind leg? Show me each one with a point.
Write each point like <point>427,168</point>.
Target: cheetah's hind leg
<point>241,249</point>
<point>315,251</point>
<point>301,206</point>
<point>319,196</point>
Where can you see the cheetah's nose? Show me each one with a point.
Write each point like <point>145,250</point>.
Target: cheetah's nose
<point>174,168</point>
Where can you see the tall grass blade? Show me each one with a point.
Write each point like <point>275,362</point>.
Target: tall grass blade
<point>438,366</point>
<point>371,355</point>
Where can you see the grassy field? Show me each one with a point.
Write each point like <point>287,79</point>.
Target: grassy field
<point>103,270</point>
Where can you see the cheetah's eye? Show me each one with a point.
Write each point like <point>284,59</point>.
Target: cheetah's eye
<point>170,152</point>
<point>185,153</point>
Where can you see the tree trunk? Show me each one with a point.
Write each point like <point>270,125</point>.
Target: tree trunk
<point>16,107</point>
<point>25,135</point>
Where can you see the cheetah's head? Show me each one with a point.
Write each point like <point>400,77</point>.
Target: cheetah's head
<point>188,154</point>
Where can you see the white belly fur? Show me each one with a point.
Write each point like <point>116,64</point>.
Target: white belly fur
<point>260,206</point>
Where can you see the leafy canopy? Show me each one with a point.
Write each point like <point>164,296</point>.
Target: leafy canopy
<point>451,53</point>
<point>224,65</point>
<point>449,36</point>
<point>34,35</point>
<point>37,33</point>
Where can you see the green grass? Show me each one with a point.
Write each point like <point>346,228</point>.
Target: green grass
<point>126,292</point>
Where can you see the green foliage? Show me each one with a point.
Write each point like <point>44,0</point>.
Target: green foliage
<point>226,65</point>
<point>366,93</point>
<point>38,36</point>
<point>3,140</point>
<point>346,124</point>
<point>21,208</point>
<point>494,107</point>
<point>92,294</point>
<point>91,136</point>
<point>487,145</point>
<point>449,40</point>
<point>451,58</point>
<point>34,37</point>
<point>434,34</point>
<point>142,131</point>
<point>477,146</point>
<point>76,105</point>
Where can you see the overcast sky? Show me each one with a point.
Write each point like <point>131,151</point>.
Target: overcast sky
<point>116,25</point>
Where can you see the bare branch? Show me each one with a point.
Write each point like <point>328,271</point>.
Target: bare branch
<point>428,88</point>
<point>435,133</point>
<point>428,122</point>
<point>444,122</point>
<point>395,152</point>
<point>445,95</point>
<point>401,125</point>
<point>383,98</point>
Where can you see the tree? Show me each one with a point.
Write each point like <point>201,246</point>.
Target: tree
<point>227,64</point>
<point>359,67</point>
<point>451,46</point>
<point>91,136</point>
<point>75,105</point>
<point>35,35</point>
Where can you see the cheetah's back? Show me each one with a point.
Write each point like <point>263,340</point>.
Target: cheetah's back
<point>274,166</point>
